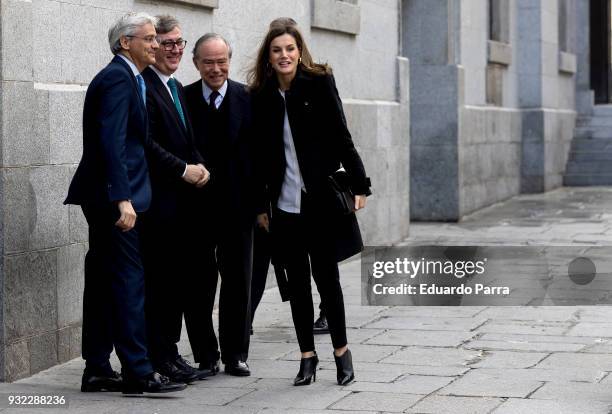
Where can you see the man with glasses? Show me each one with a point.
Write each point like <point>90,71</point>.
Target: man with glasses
<point>221,113</point>
<point>177,170</point>
<point>112,187</point>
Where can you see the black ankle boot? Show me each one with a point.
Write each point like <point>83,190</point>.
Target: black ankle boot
<point>308,371</point>
<point>344,368</point>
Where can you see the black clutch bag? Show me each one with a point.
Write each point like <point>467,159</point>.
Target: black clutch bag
<point>344,199</point>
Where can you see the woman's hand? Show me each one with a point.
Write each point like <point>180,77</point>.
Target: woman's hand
<point>360,202</point>
<point>263,221</point>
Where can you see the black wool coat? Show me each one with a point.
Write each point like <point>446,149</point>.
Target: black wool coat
<point>323,144</point>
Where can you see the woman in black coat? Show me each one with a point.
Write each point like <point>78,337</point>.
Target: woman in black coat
<point>304,140</point>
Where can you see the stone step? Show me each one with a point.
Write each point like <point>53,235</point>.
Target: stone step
<point>602,110</point>
<point>597,121</point>
<point>591,144</point>
<point>587,156</point>
<point>581,180</point>
<point>596,132</point>
<point>589,167</point>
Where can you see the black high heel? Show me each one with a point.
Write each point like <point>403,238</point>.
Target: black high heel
<point>308,370</point>
<point>344,368</point>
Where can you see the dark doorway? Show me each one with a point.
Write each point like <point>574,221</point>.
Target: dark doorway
<point>601,67</point>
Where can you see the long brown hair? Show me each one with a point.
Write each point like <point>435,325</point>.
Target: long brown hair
<point>261,72</point>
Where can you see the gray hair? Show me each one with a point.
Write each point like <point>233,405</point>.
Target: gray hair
<point>166,23</point>
<point>206,38</point>
<point>127,25</point>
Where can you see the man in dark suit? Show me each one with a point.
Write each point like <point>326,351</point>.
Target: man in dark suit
<point>220,110</point>
<point>176,170</point>
<point>112,186</point>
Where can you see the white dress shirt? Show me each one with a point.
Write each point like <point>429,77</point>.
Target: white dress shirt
<point>206,91</point>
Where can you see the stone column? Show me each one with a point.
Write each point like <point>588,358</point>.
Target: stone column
<point>430,39</point>
<point>584,93</point>
<point>42,240</point>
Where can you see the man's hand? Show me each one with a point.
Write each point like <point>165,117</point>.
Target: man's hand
<point>193,174</point>
<point>127,219</point>
<point>205,176</point>
<point>360,202</point>
<point>263,221</point>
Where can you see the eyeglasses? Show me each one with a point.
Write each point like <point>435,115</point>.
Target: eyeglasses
<point>168,45</point>
<point>147,39</point>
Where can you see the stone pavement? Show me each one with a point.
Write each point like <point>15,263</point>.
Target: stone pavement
<point>416,359</point>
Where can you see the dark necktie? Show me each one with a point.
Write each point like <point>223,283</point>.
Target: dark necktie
<point>177,101</point>
<point>212,99</point>
<point>143,88</point>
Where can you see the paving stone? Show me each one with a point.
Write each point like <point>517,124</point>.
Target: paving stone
<point>571,361</point>
<point>433,357</point>
<point>441,404</point>
<point>401,369</point>
<point>423,338</point>
<point>545,375</point>
<point>375,401</point>
<point>411,384</point>
<point>360,352</point>
<point>508,359</point>
<point>432,324</point>
<point>574,391</point>
<point>523,346</point>
<point>289,396</point>
<point>434,311</point>
<point>533,328</point>
<point>272,350</point>
<point>528,313</point>
<point>475,383</point>
<point>354,336</point>
<point>592,329</point>
<point>548,339</point>
<point>535,406</point>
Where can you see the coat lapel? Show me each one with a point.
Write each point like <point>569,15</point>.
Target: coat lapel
<point>235,112</point>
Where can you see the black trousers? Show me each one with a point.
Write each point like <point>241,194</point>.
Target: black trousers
<point>113,300</point>
<point>168,274</point>
<point>225,251</point>
<point>261,263</point>
<point>304,251</point>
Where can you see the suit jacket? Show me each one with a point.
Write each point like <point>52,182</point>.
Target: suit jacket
<point>322,142</point>
<point>170,148</point>
<point>113,166</point>
<point>243,198</point>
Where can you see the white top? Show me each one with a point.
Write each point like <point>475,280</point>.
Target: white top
<point>290,199</point>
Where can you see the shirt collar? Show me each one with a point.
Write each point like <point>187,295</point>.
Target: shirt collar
<point>164,78</point>
<point>207,91</point>
<point>130,64</point>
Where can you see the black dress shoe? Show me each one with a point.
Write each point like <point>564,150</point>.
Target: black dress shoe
<point>211,368</point>
<point>151,383</point>
<point>183,364</point>
<point>344,368</point>
<point>308,370</point>
<point>175,373</point>
<point>320,326</point>
<point>237,368</point>
<point>111,382</point>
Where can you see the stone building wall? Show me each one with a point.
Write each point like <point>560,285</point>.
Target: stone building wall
<point>51,49</point>
<point>492,100</point>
